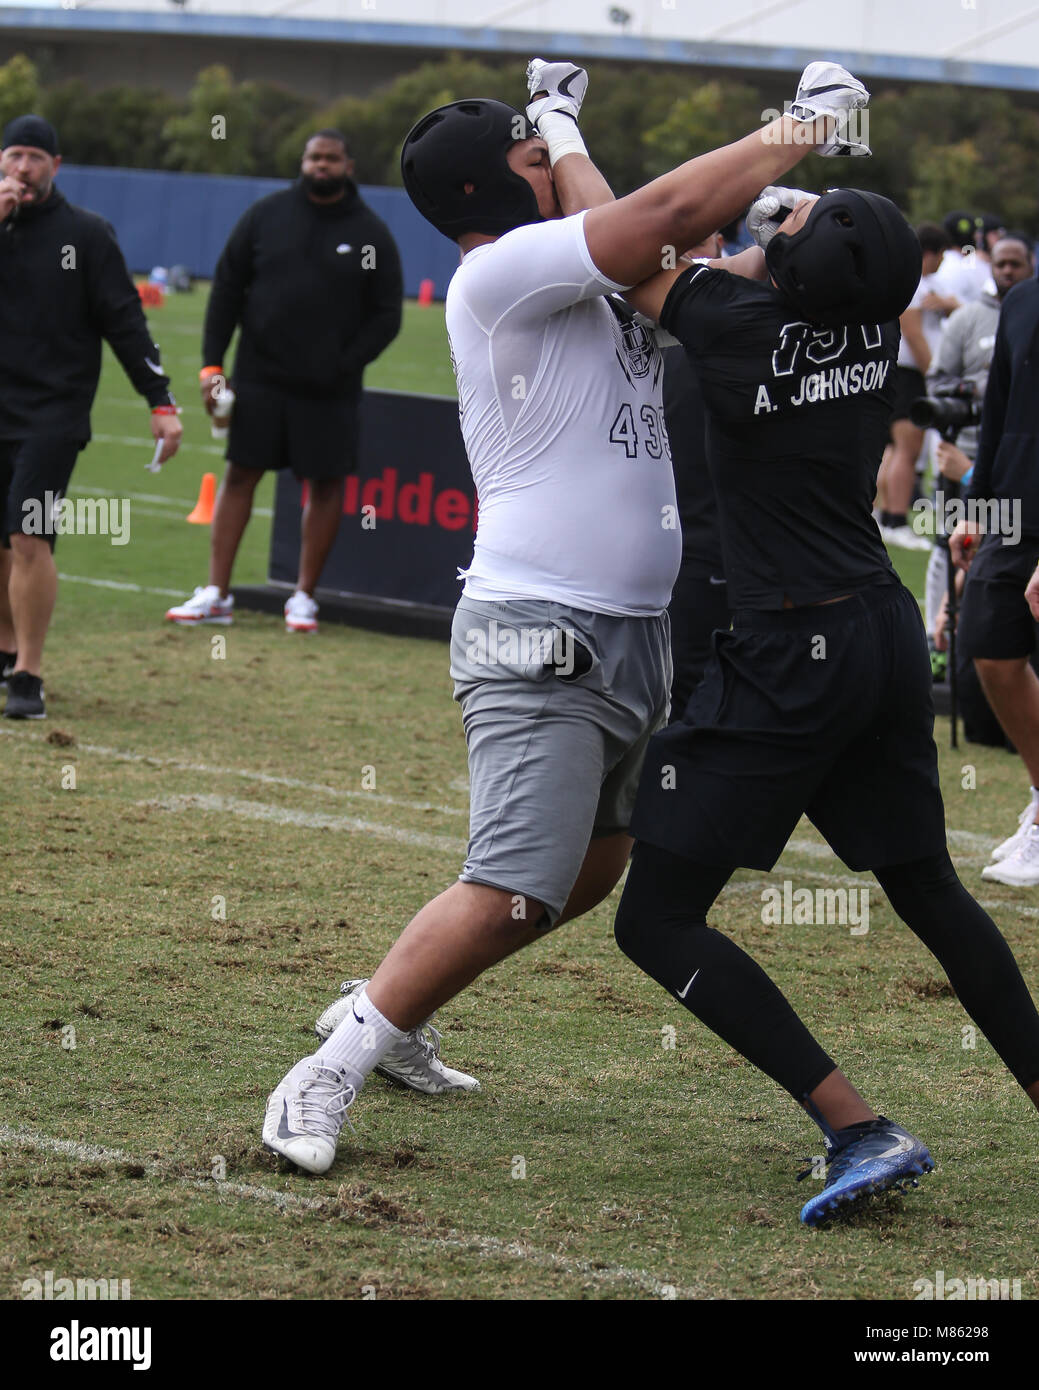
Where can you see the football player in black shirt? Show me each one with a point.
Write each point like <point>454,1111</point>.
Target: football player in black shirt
<point>818,701</point>
<point>700,601</point>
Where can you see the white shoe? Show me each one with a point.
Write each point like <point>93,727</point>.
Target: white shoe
<point>905,537</point>
<point>413,1062</point>
<point>305,1113</point>
<point>1024,820</point>
<point>204,606</point>
<point>300,613</point>
<point>1020,869</point>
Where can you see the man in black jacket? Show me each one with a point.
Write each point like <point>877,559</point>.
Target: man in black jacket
<point>313,278</point>
<point>63,287</point>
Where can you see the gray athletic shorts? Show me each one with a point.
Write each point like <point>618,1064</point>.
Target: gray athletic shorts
<point>558,705</point>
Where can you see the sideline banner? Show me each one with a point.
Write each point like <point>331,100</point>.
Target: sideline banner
<point>409,513</point>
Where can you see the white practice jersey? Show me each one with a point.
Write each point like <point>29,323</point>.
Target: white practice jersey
<point>966,277</point>
<point>930,323</point>
<point>559,401</point>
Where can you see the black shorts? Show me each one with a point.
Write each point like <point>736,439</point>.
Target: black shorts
<point>271,429</point>
<point>824,711</point>
<point>30,469</point>
<point>909,387</point>
<point>994,620</point>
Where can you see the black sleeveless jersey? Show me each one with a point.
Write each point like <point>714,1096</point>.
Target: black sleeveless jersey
<point>797,421</point>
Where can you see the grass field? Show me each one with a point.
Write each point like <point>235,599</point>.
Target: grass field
<point>183,912</point>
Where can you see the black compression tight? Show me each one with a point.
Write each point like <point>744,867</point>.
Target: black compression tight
<point>662,926</point>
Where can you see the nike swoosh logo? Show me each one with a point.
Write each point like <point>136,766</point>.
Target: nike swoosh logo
<point>716,581</point>
<point>355,1014</point>
<point>283,1122</point>
<point>901,1146</point>
<point>685,991</point>
<point>157,370</point>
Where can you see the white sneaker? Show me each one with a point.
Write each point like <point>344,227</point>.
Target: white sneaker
<point>305,1113</point>
<point>1024,820</point>
<point>300,613</point>
<point>413,1062</point>
<point>204,606</point>
<point>905,537</point>
<point>1020,869</point>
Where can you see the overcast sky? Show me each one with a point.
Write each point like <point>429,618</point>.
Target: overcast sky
<point>995,31</point>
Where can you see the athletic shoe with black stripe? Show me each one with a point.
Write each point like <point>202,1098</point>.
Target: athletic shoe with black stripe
<point>876,1157</point>
<point>24,697</point>
<point>305,1113</point>
<point>413,1062</point>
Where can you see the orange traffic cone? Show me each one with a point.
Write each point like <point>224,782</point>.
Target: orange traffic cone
<point>203,512</point>
<point>425,294</point>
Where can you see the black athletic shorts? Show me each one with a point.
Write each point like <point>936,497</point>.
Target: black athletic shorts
<point>909,387</point>
<point>994,620</point>
<point>271,429</point>
<point>824,711</point>
<point>33,474</point>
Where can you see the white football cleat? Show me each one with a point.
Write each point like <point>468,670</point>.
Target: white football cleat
<point>1020,869</point>
<point>204,606</point>
<point>905,537</point>
<point>305,1113</point>
<point>413,1062</point>
<point>300,613</point>
<point>1024,820</point>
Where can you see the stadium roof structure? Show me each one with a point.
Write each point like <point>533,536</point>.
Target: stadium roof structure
<point>992,43</point>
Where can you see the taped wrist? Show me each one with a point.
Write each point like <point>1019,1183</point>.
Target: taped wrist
<point>560,133</point>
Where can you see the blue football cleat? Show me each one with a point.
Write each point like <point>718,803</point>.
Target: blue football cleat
<point>874,1158</point>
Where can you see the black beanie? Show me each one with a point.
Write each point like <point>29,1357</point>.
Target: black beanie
<point>33,131</point>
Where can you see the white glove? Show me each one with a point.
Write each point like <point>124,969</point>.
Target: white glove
<point>771,207</point>
<point>564,83</point>
<point>827,89</point>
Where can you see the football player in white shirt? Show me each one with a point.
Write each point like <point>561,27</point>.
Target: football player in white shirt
<point>560,653</point>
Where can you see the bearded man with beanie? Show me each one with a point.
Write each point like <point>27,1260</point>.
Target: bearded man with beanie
<point>64,287</point>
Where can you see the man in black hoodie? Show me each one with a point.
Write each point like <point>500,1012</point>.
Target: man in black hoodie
<point>63,287</point>
<point>313,278</point>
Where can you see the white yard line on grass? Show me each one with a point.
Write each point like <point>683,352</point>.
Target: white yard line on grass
<point>123,585</point>
<point>270,779</point>
<point>141,442</point>
<point>175,503</point>
<point>310,820</point>
<point>491,1246</point>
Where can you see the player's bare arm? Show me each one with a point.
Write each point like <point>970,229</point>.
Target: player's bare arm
<point>648,298</point>
<point>629,239</point>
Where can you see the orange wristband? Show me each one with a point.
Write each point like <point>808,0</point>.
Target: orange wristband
<point>207,372</point>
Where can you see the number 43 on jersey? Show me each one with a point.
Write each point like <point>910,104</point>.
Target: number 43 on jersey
<point>653,437</point>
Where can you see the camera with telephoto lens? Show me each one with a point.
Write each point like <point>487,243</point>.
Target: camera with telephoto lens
<point>948,410</point>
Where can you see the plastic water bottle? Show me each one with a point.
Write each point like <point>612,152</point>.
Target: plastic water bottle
<point>220,420</point>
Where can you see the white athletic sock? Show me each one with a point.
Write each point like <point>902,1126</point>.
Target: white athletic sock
<point>361,1040</point>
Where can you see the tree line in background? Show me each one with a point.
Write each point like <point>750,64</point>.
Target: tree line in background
<point>935,147</point>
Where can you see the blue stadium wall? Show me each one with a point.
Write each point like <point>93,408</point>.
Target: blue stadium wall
<point>184,219</point>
